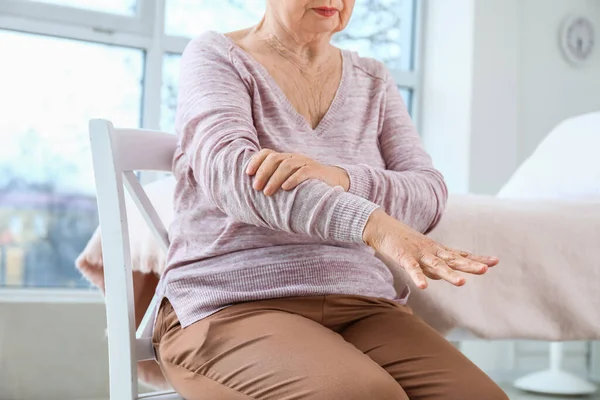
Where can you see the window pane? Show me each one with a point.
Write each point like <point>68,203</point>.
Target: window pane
<point>192,17</point>
<point>382,29</point>
<point>407,95</point>
<point>124,7</point>
<point>169,92</point>
<point>51,87</point>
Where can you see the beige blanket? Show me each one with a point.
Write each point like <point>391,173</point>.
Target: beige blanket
<point>547,285</point>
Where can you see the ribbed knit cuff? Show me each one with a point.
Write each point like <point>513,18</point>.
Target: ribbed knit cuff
<point>350,217</point>
<point>360,180</point>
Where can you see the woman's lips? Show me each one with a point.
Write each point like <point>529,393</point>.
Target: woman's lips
<point>325,11</point>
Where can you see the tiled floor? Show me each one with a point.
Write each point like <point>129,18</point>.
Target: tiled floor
<point>515,394</point>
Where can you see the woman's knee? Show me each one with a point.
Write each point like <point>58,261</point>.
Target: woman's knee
<point>377,384</point>
<point>488,391</point>
<point>476,388</point>
<point>458,391</point>
<point>475,384</point>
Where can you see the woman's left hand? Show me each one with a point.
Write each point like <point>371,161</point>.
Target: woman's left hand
<point>273,171</point>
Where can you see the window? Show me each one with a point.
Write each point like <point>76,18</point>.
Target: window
<point>382,29</point>
<point>407,95</point>
<point>66,61</point>
<point>46,182</point>
<point>124,7</point>
<point>169,91</point>
<point>189,18</point>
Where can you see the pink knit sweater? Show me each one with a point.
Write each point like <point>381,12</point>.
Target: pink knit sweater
<point>231,243</point>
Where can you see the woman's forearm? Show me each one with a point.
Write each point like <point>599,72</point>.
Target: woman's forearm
<point>416,197</point>
<point>313,208</point>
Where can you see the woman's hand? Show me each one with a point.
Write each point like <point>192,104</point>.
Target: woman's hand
<point>273,171</point>
<point>420,256</point>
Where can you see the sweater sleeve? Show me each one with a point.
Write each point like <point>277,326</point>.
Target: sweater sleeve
<point>410,189</point>
<point>217,136</point>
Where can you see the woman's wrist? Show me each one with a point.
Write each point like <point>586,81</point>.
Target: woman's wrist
<point>343,179</point>
<point>373,232</point>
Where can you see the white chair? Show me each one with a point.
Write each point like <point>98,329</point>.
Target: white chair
<point>117,153</point>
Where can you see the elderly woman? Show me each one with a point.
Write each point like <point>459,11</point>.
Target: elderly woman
<point>297,162</point>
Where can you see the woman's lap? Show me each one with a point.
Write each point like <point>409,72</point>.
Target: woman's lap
<point>423,362</point>
<point>291,349</point>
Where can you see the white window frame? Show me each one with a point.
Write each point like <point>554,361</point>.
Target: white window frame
<point>145,31</point>
<point>412,79</point>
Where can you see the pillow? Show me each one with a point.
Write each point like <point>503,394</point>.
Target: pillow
<point>564,165</point>
<point>146,255</point>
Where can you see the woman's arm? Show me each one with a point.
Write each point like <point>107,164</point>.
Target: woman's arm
<point>409,189</point>
<point>217,135</point>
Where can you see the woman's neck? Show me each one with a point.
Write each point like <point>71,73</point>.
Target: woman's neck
<point>302,50</point>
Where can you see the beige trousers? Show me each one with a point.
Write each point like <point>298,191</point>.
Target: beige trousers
<point>334,347</point>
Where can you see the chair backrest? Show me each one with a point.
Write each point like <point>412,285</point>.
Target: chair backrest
<point>117,154</point>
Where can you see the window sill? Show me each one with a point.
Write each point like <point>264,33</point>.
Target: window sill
<point>44,295</point>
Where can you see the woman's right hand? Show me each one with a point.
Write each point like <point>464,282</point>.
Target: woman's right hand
<point>420,256</point>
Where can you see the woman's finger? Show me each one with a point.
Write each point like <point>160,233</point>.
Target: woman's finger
<point>296,178</point>
<point>487,260</point>
<point>284,170</point>
<point>437,267</point>
<point>257,160</point>
<point>458,263</point>
<point>266,169</point>
<point>413,268</point>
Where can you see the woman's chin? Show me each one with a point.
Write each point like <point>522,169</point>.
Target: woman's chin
<point>324,27</point>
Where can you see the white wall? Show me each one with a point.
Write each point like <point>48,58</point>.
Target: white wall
<point>447,86</point>
<point>494,118</point>
<point>551,89</point>
<point>53,351</point>
<point>513,88</point>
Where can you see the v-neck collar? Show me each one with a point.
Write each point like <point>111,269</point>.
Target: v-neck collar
<point>337,102</point>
